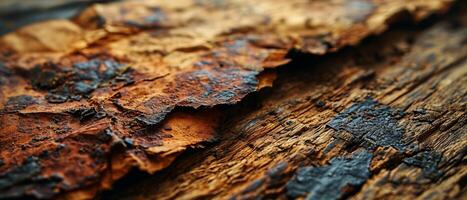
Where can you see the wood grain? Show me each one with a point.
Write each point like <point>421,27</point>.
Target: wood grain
<point>384,120</point>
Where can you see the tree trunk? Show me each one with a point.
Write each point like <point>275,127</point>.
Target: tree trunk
<point>237,100</point>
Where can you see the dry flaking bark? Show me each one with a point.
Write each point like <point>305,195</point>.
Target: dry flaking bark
<point>85,100</point>
<point>385,120</point>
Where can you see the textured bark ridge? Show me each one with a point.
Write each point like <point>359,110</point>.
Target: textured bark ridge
<point>135,83</point>
<point>384,120</point>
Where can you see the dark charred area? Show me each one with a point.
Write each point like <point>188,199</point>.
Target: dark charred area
<point>428,162</point>
<point>16,103</point>
<point>84,114</point>
<point>333,181</point>
<point>77,81</point>
<point>371,123</point>
<point>26,170</point>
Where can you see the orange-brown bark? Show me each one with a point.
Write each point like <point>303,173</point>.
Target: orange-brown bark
<point>134,83</point>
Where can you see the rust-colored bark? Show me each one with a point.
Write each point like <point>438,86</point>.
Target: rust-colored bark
<point>134,83</point>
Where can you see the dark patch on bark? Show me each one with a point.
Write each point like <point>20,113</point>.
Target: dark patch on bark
<point>151,120</point>
<point>16,103</point>
<point>85,114</point>
<point>371,124</point>
<point>77,81</point>
<point>29,168</point>
<point>375,124</point>
<point>20,180</point>
<point>428,161</point>
<point>331,181</point>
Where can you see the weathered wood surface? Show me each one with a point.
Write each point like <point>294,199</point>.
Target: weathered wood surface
<point>133,84</point>
<point>385,120</point>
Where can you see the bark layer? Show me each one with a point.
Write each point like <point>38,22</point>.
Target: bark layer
<point>135,83</point>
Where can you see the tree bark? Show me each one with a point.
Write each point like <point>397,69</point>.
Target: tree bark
<point>384,120</point>
<point>135,84</point>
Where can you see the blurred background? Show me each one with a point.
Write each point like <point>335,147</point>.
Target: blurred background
<point>17,13</point>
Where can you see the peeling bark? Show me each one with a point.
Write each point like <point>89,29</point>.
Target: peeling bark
<point>133,84</point>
